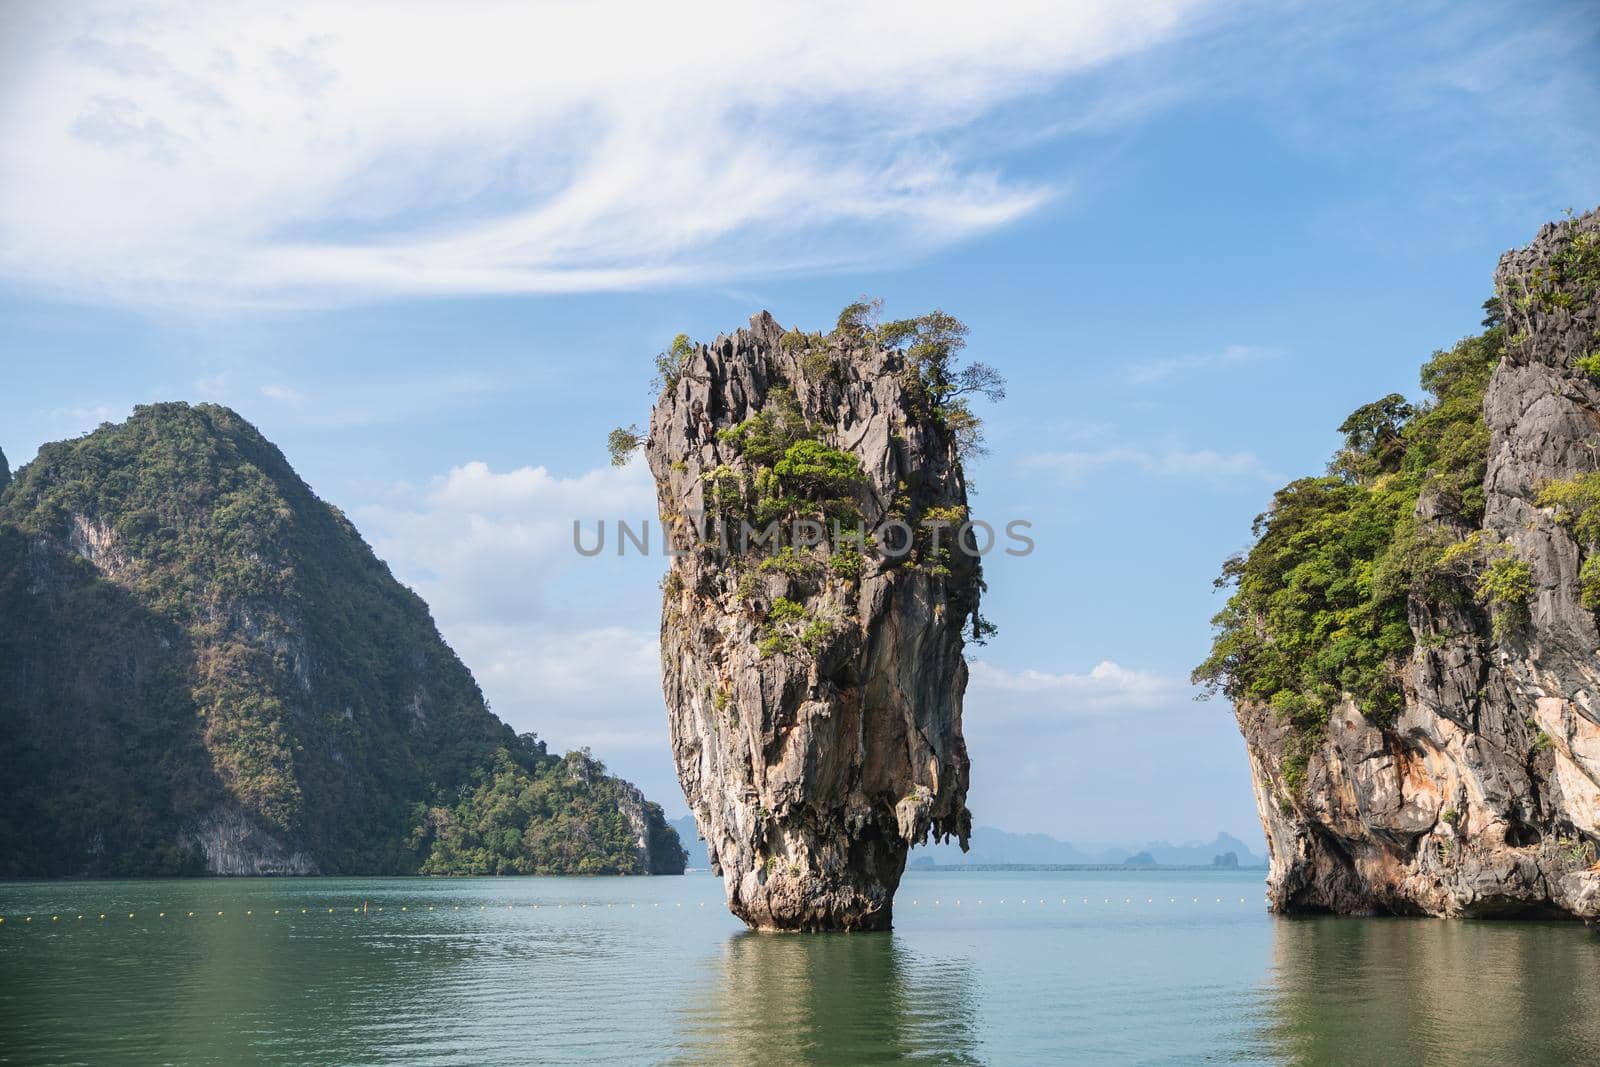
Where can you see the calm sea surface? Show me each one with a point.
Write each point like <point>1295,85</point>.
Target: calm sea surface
<point>983,967</point>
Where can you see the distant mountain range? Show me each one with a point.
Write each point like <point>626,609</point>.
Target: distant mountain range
<point>993,846</point>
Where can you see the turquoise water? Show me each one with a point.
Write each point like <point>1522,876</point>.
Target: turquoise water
<point>991,967</point>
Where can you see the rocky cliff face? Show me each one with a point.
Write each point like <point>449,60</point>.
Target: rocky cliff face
<point>813,691</point>
<point>1481,795</point>
<point>204,669</point>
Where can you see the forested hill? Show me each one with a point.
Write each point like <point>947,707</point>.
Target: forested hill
<point>204,668</point>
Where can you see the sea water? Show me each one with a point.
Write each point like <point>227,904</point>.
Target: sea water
<point>1025,967</point>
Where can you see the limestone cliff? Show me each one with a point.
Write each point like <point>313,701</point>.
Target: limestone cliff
<point>204,669</point>
<point>1477,791</point>
<point>814,691</point>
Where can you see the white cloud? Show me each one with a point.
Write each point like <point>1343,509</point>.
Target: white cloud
<point>283,393</point>
<point>483,546</point>
<point>561,644</point>
<point>1177,366</point>
<point>599,686</point>
<point>1105,687</point>
<point>228,152</point>
<point>1209,465</point>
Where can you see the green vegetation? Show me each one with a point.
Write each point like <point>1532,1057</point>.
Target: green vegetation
<point>932,344</point>
<point>1318,608</point>
<point>1504,587</point>
<point>792,563</point>
<point>669,364</point>
<point>1568,280</point>
<point>789,473</point>
<point>622,443</point>
<point>790,627</point>
<point>528,813</point>
<point>234,646</point>
<point>1577,506</point>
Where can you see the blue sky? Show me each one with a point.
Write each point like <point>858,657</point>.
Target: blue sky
<point>432,259</point>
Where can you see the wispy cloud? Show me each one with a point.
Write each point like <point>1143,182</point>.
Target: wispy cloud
<point>1219,468</point>
<point>195,152</point>
<point>1107,686</point>
<point>283,393</point>
<point>1161,370</point>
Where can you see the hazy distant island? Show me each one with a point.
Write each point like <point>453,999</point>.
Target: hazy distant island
<point>991,847</point>
<point>205,670</point>
<point>1411,643</point>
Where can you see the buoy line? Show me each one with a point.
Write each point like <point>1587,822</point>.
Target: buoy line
<point>368,910</point>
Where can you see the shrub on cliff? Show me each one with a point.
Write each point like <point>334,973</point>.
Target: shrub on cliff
<point>1318,606</point>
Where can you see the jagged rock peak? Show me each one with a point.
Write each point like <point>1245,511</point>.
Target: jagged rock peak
<point>814,691</point>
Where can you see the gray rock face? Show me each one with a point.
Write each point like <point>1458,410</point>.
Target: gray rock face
<point>1483,797</point>
<point>813,750</point>
<point>654,840</point>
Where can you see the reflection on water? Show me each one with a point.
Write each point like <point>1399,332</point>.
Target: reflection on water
<point>1427,991</point>
<point>843,998</point>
